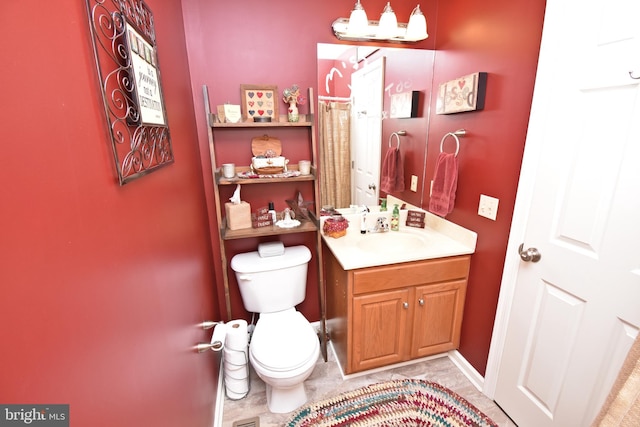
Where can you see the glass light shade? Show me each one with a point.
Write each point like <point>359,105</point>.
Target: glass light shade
<point>358,21</point>
<point>388,25</point>
<point>417,26</point>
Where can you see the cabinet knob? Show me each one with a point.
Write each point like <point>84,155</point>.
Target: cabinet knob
<point>405,304</point>
<point>421,301</point>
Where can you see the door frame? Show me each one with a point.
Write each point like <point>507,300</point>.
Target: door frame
<point>524,196</point>
<point>531,159</point>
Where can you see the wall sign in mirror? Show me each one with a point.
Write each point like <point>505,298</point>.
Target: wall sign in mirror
<point>465,93</point>
<point>404,105</point>
<point>124,46</point>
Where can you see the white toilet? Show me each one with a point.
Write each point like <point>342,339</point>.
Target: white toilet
<point>284,347</point>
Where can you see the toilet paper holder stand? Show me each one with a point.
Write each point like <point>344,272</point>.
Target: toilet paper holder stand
<point>229,382</point>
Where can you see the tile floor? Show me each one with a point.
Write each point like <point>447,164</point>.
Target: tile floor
<point>326,380</point>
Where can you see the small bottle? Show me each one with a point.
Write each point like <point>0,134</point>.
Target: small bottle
<point>395,218</point>
<point>272,212</point>
<point>383,205</point>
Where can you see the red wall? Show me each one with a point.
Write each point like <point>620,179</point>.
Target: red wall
<point>102,286</point>
<point>227,47</point>
<point>501,38</point>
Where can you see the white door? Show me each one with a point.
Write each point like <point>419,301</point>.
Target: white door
<point>571,317</point>
<point>367,88</point>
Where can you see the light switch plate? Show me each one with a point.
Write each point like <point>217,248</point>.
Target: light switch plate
<point>488,207</point>
<point>414,183</point>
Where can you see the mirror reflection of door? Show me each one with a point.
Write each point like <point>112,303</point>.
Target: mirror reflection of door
<point>367,85</point>
<point>404,70</point>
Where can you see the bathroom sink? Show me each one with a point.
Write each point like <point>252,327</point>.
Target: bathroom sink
<point>390,241</point>
<point>438,239</point>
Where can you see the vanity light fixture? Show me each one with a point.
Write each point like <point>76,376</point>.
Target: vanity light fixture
<point>358,28</point>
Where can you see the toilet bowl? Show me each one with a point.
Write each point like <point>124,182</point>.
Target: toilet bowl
<point>283,351</point>
<point>284,347</point>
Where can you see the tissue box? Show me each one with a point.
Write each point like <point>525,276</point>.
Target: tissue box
<point>238,215</point>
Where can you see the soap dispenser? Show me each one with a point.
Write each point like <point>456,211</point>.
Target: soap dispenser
<point>383,205</point>
<point>395,218</point>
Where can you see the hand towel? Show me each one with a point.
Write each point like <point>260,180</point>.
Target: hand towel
<point>445,182</point>
<point>392,179</point>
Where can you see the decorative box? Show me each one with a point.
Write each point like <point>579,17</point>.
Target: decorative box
<point>267,156</point>
<point>415,219</point>
<point>238,215</point>
<point>335,227</point>
<point>259,220</point>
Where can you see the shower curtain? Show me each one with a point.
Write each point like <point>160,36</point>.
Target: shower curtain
<point>622,407</point>
<point>335,153</point>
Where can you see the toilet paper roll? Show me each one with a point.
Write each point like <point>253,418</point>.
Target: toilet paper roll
<point>218,337</point>
<point>237,337</point>
<point>237,372</point>
<point>235,357</point>
<point>236,389</point>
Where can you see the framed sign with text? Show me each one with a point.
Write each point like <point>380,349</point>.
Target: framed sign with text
<point>126,57</point>
<point>466,93</point>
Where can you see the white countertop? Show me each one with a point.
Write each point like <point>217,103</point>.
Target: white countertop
<point>440,238</point>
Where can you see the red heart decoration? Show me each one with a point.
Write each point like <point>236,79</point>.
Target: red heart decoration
<point>261,112</point>
<point>251,103</point>
<point>461,83</point>
<point>260,94</point>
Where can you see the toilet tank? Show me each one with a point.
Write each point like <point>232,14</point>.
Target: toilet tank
<point>275,283</point>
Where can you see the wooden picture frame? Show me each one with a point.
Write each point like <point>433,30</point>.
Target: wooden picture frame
<point>466,93</point>
<point>259,101</point>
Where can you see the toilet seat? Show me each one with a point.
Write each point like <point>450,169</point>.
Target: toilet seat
<point>283,341</point>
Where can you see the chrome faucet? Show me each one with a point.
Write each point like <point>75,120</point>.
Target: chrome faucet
<point>380,226</point>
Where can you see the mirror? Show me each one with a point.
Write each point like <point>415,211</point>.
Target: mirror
<point>354,139</point>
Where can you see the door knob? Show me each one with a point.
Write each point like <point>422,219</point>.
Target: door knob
<point>405,304</point>
<point>421,301</point>
<point>372,186</point>
<point>530,255</point>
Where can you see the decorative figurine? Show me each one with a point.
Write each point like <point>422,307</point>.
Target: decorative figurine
<point>292,97</point>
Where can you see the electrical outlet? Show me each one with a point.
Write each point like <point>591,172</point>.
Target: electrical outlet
<point>414,183</point>
<point>488,207</point>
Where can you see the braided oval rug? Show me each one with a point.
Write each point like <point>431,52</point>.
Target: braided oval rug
<point>394,403</point>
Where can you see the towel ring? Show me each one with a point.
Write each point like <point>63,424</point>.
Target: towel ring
<point>397,135</point>
<point>459,132</point>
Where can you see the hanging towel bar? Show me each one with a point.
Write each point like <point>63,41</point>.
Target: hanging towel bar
<point>455,135</point>
<point>397,134</point>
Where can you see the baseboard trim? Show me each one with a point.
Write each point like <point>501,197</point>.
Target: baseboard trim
<point>218,411</point>
<point>465,367</point>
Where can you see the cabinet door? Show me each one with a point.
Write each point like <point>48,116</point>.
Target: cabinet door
<point>438,318</point>
<point>379,329</point>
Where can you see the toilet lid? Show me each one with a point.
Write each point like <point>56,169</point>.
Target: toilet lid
<point>283,341</point>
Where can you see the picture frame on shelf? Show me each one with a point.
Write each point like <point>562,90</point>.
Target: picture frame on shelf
<point>259,102</point>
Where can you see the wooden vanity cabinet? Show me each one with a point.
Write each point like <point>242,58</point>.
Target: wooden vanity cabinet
<point>379,316</point>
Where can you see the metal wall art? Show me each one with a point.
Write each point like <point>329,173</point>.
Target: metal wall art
<point>124,45</point>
